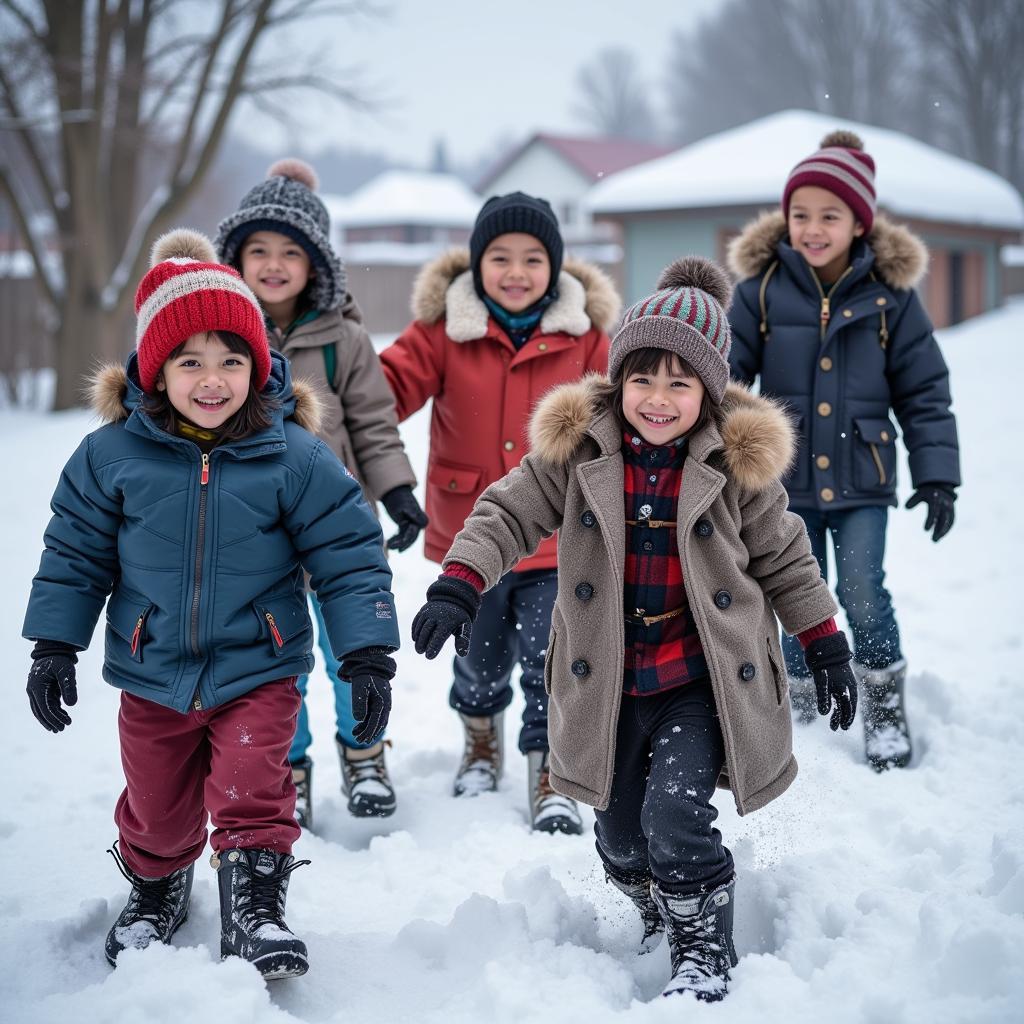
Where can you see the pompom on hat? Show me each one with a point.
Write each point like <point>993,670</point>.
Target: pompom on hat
<point>843,168</point>
<point>685,315</point>
<point>188,292</point>
<point>286,202</point>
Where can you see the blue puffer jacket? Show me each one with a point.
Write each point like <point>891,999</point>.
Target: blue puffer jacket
<point>207,595</point>
<point>841,377</point>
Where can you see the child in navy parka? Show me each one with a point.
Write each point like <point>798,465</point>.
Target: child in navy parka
<point>195,510</point>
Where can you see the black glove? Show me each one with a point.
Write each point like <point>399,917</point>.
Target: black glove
<point>50,680</point>
<point>450,610</point>
<point>940,498</point>
<point>370,672</point>
<point>406,514</point>
<point>828,658</point>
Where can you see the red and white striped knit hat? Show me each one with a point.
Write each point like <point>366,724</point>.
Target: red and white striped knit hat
<point>188,292</point>
<point>843,168</point>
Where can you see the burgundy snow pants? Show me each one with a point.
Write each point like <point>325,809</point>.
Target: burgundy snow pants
<point>229,762</point>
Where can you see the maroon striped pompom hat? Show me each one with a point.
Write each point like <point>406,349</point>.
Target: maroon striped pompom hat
<point>843,168</point>
<point>188,292</point>
<point>686,315</point>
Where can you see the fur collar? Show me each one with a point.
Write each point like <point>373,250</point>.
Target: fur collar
<point>444,288</point>
<point>754,433</point>
<point>108,389</point>
<point>900,256</point>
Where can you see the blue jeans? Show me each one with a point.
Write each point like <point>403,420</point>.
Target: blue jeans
<point>342,697</point>
<point>512,625</point>
<point>858,540</point>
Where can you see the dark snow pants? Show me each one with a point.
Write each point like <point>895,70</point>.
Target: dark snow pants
<point>668,756</point>
<point>229,762</point>
<point>513,625</point>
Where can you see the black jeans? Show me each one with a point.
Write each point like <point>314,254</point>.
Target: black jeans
<point>512,625</point>
<point>668,756</point>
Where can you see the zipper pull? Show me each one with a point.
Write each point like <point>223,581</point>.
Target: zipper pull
<point>197,701</point>
<point>205,478</point>
<point>274,630</point>
<point>824,310</point>
<point>136,634</point>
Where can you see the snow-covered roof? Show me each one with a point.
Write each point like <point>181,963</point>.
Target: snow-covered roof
<point>407,197</point>
<point>748,166</point>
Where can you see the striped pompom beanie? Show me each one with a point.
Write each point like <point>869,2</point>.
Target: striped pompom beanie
<point>843,168</point>
<point>686,315</point>
<point>186,292</point>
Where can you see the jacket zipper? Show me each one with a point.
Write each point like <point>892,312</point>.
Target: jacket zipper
<point>204,479</point>
<point>274,629</point>
<point>826,299</point>
<point>136,633</point>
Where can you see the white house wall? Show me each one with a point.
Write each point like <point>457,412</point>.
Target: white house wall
<point>539,171</point>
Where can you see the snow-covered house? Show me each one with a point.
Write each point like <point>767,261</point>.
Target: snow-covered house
<point>695,199</point>
<point>563,169</point>
<point>385,230</point>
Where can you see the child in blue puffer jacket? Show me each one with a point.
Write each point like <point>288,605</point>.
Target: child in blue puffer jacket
<point>195,509</point>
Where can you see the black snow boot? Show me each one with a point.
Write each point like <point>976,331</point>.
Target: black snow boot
<point>700,939</point>
<point>302,777</point>
<point>365,780</point>
<point>637,886</point>
<point>253,886</point>
<point>886,733</point>
<point>156,909</point>
<point>549,811</point>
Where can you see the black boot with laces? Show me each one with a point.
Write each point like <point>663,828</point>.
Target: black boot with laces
<point>253,887</point>
<point>156,909</point>
<point>637,886</point>
<point>700,939</point>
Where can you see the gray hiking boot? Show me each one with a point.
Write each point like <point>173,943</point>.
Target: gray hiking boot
<point>365,780</point>
<point>549,811</point>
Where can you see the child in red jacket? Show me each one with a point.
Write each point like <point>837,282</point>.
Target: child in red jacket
<point>495,329</point>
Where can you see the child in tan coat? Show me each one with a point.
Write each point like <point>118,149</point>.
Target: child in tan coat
<point>676,553</point>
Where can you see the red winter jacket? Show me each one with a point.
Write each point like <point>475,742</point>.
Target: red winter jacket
<point>483,389</point>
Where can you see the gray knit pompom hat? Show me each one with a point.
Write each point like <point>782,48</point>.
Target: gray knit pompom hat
<point>686,315</point>
<point>286,202</point>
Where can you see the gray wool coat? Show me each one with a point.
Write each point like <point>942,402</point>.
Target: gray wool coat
<point>736,538</point>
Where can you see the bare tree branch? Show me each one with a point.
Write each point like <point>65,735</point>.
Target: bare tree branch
<point>50,290</point>
<point>24,130</point>
<point>23,18</point>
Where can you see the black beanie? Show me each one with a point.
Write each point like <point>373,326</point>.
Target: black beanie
<point>516,212</point>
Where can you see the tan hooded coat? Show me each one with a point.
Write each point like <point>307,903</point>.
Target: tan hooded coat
<point>756,551</point>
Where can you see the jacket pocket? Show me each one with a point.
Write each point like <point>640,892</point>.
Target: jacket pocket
<point>777,675</point>
<point>549,660</point>
<point>874,458</point>
<point>127,617</point>
<point>456,479</point>
<point>282,619</point>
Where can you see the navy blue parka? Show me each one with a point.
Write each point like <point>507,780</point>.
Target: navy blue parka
<point>840,378</point>
<point>205,581</point>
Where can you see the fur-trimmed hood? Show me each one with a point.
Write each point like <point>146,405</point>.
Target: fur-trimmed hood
<point>900,256</point>
<point>444,289</point>
<point>114,394</point>
<point>754,433</point>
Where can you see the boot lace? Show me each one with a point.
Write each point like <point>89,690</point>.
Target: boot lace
<point>262,895</point>
<point>696,956</point>
<point>151,899</point>
<point>481,746</point>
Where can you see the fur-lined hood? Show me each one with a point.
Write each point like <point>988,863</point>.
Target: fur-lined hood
<point>114,394</point>
<point>754,433</point>
<point>444,289</point>
<point>900,256</point>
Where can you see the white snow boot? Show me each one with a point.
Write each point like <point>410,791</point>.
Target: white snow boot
<point>637,886</point>
<point>549,811</point>
<point>253,887</point>
<point>700,940</point>
<point>483,758</point>
<point>365,780</point>
<point>886,733</point>
<point>156,909</point>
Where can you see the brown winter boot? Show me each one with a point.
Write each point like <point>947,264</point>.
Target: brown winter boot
<point>483,758</point>
<point>549,811</point>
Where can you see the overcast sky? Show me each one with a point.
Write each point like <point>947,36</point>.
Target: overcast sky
<point>475,71</point>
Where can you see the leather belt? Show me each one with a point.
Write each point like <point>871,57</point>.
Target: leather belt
<point>637,618</point>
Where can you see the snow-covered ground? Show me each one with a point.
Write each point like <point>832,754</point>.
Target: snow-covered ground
<point>860,898</point>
